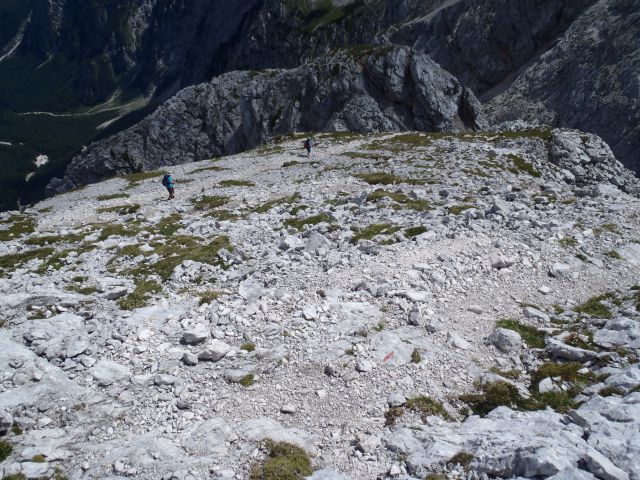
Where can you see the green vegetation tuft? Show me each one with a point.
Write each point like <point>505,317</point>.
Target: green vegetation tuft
<point>18,225</point>
<point>533,337</point>
<point>493,395</point>
<point>284,462</point>
<point>209,202</point>
<point>511,374</point>
<point>140,295</point>
<point>115,196</point>
<point>392,415</point>
<point>292,163</point>
<point>415,356</point>
<point>463,459</point>
<point>520,165</point>
<point>426,407</point>
<point>248,346</point>
<point>595,308</point>
<point>236,183</point>
<point>118,230</point>
<point>136,178</point>
<point>458,209</point>
<point>213,168</point>
<point>265,207</point>
<point>15,260</point>
<point>614,254</point>
<point>374,230</point>
<point>412,232</point>
<point>5,450</point>
<point>209,296</point>
<point>39,458</point>
<point>178,248</point>
<point>606,228</point>
<point>401,201</point>
<point>611,390</point>
<point>299,224</point>
<point>247,380</point>
<point>568,242</point>
<point>169,225</point>
<point>120,209</point>
<point>383,178</point>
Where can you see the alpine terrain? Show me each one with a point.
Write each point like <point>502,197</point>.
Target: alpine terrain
<point>319,239</point>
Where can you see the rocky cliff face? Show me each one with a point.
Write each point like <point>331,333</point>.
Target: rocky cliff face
<point>384,90</point>
<point>566,63</point>
<point>588,78</point>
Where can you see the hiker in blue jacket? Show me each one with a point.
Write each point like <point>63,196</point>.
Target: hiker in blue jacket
<point>168,182</point>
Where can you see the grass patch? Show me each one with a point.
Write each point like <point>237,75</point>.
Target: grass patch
<point>120,209</point>
<point>374,230</point>
<point>54,239</point>
<point>140,295</point>
<point>521,166</point>
<point>595,308</point>
<point>213,168</point>
<point>209,202</point>
<point>511,374</point>
<point>412,232</point>
<point>299,224</point>
<point>284,462</point>
<point>248,346</point>
<point>383,178</point>
<point>118,230</point>
<point>169,225</point>
<point>567,372</point>
<point>606,228</point>
<point>292,163</point>
<point>463,459</point>
<point>402,201</point>
<point>209,296</point>
<point>39,458</point>
<point>15,260</point>
<point>115,196</point>
<point>494,395</point>
<point>5,450</point>
<point>568,242</point>
<point>610,390</point>
<point>236,183</point>
<point>176,250</point>
<point>533,337</point>
<point>265,207</point>
<point>458,209</point>
<point>368,156</point>
<point>247,380</point>
<point>18,226</point>
<point>415,356</point>
<point>615,255</point>
<point>427,407</point>
<point>135,179</point>
<point>392,415</point>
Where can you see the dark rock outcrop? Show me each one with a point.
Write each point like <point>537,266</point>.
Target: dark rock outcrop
<point>391,89</point>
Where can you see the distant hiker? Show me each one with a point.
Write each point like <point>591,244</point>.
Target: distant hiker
<point>308,143</point>
<point>168,182</point>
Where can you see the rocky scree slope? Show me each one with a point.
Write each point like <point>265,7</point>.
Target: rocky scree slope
<point>398,306</point>
<point>390,89</point>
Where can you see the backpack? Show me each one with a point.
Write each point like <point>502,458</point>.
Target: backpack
<point>165,180</point>
<point>306,144</point>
